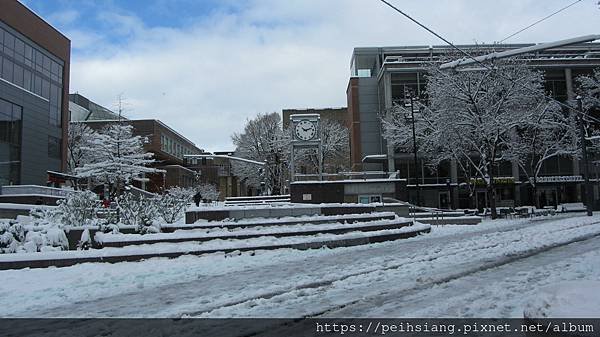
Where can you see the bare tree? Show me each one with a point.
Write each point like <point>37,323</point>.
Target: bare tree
<point>80,136</point>
<point>262,140</point>
<point>471,115</point>
<point>589,90</point>
<point>551,133</point>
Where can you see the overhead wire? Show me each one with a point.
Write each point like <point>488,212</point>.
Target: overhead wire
<point>468,55</point>
<point>539,21</point>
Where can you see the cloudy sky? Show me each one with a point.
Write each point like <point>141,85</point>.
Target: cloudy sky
<point>205,66</point>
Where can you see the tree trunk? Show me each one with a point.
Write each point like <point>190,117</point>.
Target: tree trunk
<point>491,189</point>
<point>535,196</point>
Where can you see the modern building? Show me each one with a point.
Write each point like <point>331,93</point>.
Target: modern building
<point>382,76</point>
<point>218,171</point>
<point>167,145</point>
<point>34,84</point>
<point>82,109</point>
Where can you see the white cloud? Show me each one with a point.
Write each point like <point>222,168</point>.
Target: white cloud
<point>65,17</point>
<point>206,79</point>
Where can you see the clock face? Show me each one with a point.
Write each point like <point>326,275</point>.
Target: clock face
<point>306,130</point>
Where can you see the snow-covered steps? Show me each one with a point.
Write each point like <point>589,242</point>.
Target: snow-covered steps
<point>285,210</point>
<point>281,231</point>
<point>256,200</point>
<point>253,222</point>
<point>172,250</point>
<point>452,220</point>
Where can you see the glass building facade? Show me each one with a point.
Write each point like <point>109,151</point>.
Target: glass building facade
<point>11,116</point>
<point>34,80</point>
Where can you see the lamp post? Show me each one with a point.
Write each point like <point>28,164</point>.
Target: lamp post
<point>588,197</point>
<point>448,186</point>
<point>414,134</point>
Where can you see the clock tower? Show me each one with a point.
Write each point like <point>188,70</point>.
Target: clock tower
<point>306,131</point>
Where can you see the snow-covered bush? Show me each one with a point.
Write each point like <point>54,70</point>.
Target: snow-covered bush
<point>78,208</point>
<point>12,236</point>
<point>137,210</point>
<point>208,191</point>
<point>170,206</point>
<point>43,239</point>
<point>46,232</point>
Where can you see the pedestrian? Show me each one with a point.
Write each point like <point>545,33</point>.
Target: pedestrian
<point>197,198</point>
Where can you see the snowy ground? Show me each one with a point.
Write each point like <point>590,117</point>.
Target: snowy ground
<point>486,270</point>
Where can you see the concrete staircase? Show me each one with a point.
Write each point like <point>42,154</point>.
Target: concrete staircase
<point>250,234</point>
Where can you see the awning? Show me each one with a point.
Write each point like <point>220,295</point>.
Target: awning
<point>375,158</point>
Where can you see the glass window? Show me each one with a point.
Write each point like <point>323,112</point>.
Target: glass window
<point>10,143</point>
<point>47,64</point>
<point>9,44</point>
<point>19,47</point>
<point>45,89</point>
<point>37,85</point>
<point>54,95</point>
<point>27,83</point>
<point>19,50</point>
<point>55,68</point>
<point>18,75</point>
<point>7,70</point>
<point>39,60</point>
<point>28,52</point>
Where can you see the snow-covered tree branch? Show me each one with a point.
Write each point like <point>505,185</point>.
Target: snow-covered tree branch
<point>263,141</point>
<point>116,157</point>
<point>80,137</point>
<point>471,117</point>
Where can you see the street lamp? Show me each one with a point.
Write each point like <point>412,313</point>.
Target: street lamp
<point>588,196</point>
<point>449,193</point>
<point>414,134</point>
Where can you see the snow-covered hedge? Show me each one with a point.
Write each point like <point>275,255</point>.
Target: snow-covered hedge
<point>171,205</point>
<point>139,211</point>
<point>208,191</point>
<point>79,209</point>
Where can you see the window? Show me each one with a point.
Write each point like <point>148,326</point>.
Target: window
<point>45,89</point>
<point>27,82</point>
<point>9,44</point>
<point>368,199</point>
<point>10,143</point>
<point>7,70</point>
<point>18,75</point>
<point>39,60</point>
<point>54,147</point>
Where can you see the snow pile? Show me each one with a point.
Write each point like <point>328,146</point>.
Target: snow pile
<point>571,299</point>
